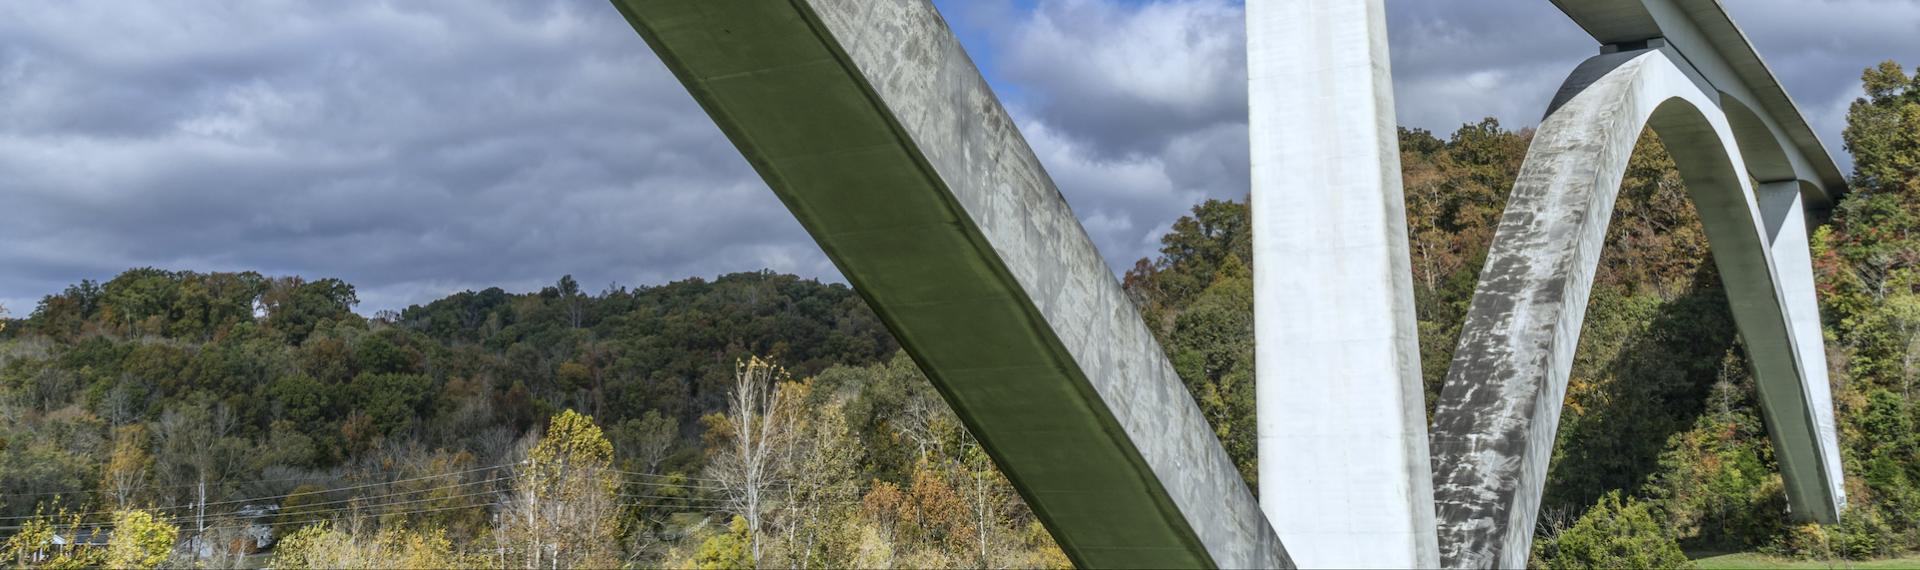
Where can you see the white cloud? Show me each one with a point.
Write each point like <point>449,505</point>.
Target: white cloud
<point>1459,61</point>
<point>1125,78</point>
<point>1138,111</point>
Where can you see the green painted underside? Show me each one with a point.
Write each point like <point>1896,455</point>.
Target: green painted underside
<point>786,96</point>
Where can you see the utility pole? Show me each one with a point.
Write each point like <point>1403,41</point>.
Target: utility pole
<point>200,519</point>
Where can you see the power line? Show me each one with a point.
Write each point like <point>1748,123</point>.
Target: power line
<point>249,481</point>
<point>315,492</point>
<point>709,509</point>
<point>156,487</point>
<point>440,509</point>
<point>687,477</point>
<point>667,498</point>
<point>312,477</point>
<point>352,499</point>
<point>181,520</point>
<point>354,503</point>
<point>400,493</point>
<point>706,504</point>
<point>256,499</point>
<point>403,513</point>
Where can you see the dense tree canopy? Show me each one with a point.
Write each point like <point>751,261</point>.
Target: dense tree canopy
<point>272,392</point>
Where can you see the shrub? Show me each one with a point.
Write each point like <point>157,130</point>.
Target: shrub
<point>1615,533</point>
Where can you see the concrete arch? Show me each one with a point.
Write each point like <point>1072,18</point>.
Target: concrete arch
<point>1766,158</point>
<point>1494,427</point>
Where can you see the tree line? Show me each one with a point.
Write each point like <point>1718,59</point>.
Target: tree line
<point>261,417</point>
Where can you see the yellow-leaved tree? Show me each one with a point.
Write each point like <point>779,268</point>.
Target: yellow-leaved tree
<point>730,550</point>
<point>141,539</point>
<point>322,546</point>
<point>35,544</point>
<point>128,465</point>
<point>31,543</point>
<point>564,512</point>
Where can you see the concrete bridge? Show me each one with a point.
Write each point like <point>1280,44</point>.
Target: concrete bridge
<point>869,121</point>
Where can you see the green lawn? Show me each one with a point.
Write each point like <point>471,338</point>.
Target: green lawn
<point>1751,560</point>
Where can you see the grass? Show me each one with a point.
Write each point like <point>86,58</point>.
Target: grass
<point>1752,560</point>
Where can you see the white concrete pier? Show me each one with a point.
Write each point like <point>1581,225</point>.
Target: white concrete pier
<point>1344,472</point>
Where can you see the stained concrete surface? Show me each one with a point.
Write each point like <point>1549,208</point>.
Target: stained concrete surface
<point>869,121</point>
<point>1494,427</point>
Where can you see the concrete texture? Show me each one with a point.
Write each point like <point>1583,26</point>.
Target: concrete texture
<point>868,120</point>
<point>1494,426</point>
<point>1799,407</point>
<point>1716,47</point>
<point>1344,471</point>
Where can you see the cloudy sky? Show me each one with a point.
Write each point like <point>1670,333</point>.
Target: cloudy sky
<point>421,147</point>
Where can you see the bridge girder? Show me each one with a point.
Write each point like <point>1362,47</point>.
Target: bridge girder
<point>1711,45</point>
<point>869,121</point>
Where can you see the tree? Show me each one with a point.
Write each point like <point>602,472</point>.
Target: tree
<point>747,459</point>
<point>564,512</point>
<point>1211,346</point>
<point>1189,256</point>
<point>304,505</point>
<point>572,302</point>
<point>128,466</point>
<point>141,539</point>
<point>648,439</point>
<point>322,546</point>
<point>731,550</point>
<point>935,524</point>
<point>1883,129</point>
<point>822,491</point>
<point>29,542</point>
<point>1615,533</point>
<point>987,494</point>
<point>295,307</point>
<point>140,300</point>
<point>1868,268</point>
<point>32,545</point>
<point>394,402</point>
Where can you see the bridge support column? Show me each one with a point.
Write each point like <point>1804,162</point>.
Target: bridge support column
<point>1344,470</point>
<point>1808,448</point>
<point>1494,427</point>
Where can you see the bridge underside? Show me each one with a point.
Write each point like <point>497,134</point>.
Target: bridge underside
<point>1759,178</point>
<point>872,125</point>
<point>1494,427</point>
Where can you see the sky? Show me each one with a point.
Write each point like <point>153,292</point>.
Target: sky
<point>419,148</point>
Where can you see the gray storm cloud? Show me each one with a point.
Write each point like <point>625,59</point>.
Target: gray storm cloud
<point>412,148</point>
<point>420,148</point>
